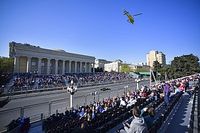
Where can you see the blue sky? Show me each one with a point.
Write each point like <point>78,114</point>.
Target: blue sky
<point>99,28</point>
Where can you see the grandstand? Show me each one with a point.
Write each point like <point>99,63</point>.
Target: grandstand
<point>109,114</point>
<point>28,82</point>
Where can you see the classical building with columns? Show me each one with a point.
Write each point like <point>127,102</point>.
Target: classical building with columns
<point>29,58</point>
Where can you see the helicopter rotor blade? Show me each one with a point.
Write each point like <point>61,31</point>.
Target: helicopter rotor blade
<point>137,14</point>
<point>125,12</point>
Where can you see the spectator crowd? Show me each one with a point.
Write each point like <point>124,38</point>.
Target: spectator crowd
<point>103,115</point>
<point>142,104</point>
<point>28,81</point>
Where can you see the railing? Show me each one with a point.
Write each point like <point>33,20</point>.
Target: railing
<point>194,125</point>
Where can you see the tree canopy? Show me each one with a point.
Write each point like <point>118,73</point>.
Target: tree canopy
<point>156,65</point>
<point>6,65</point>
<point>185,65</point>
<point>180,66</point>
<point>142,69</point>
<point>125,68</point>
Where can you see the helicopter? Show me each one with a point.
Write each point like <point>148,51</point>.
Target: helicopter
<point>131,17</point>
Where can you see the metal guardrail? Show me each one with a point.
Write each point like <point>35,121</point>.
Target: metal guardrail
<point>195,114</point>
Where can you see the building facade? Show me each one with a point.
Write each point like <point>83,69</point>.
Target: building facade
<point>155,56</point>
<point>99,63</point>
<point>113,66</point>
<point>161,58</point>
<point>33,59</point>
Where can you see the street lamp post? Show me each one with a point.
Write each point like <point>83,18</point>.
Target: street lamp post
<point>71,89</point>
<point>125,89</point>
<point>137,81</point>
<point>98,96</point>
<point>94,94</point>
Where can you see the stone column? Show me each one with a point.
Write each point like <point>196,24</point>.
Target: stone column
<point>28,64</point>
<point>39,66</point>
<point>81,68</point>
<point>90,67</point>
<point>87,67</point>
<point>48,66</point>
<point>84,67</point>
<point>69,66</point>
<point>56,66</point>
<point>94,68</point>
<point>16,64</point>
<point>75,66</point>
<point>63,68</point>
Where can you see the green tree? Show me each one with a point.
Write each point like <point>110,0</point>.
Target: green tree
<point>6,65</point>
<point>185,65</point>
<point>142,69</point>
<point>181,66</point>
<point>125,68</point>
<point>165,72</point>
<point>156,66</point>
<point>156,69</point>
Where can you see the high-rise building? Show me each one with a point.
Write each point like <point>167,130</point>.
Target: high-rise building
<point>155,56</point>
<point>161,58</point>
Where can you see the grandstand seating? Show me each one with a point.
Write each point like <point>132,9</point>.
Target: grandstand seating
<point>29,81</point>
<point>101,123</point>
<point>159,121</point>
<point>116,114</point>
